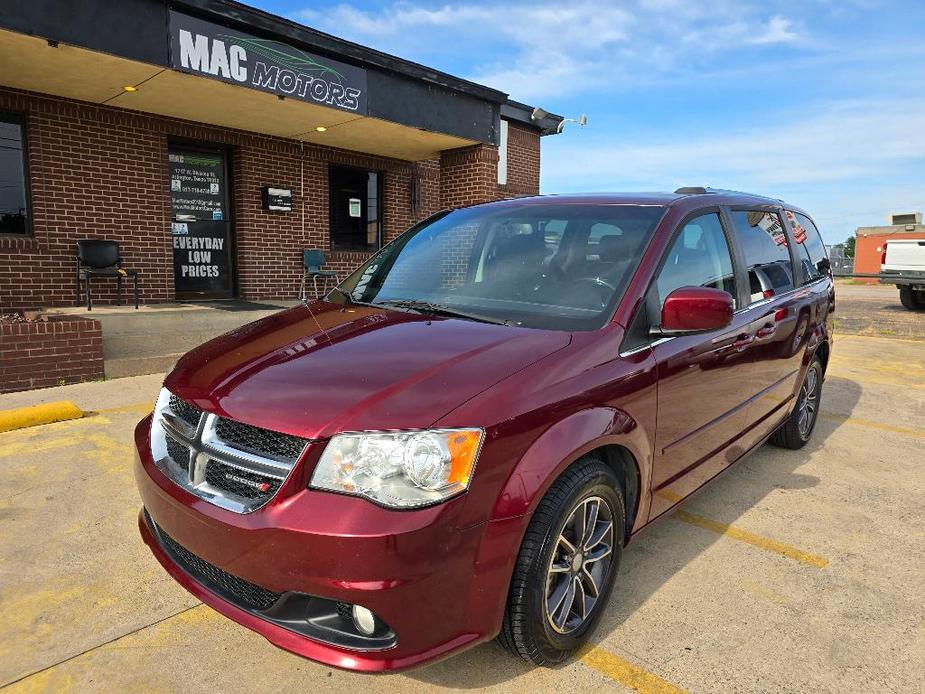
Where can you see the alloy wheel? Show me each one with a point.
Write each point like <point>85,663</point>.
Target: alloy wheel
<point>580,564</point>
<point>808,403</point>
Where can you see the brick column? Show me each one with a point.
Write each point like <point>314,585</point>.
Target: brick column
<point>468,175</point>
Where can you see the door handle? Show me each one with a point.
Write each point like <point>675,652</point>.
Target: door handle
<point>766,330</point>
<point>742,341</point>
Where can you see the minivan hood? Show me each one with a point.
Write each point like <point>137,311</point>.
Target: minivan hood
<point>319,370</point>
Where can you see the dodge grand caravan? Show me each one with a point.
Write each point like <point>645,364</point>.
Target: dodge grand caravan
<point>457,442</point>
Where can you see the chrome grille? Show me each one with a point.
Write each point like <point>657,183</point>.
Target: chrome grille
<point>185,411</point>
<point>243,483</point>
<point>237,466</point>
<point>178,452</point>
<point>259,441</point>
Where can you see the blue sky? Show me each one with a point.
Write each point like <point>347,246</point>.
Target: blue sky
<point>819,102</point>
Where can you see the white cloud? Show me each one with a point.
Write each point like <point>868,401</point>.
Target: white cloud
<point>848,158</point>
<point>837,142</point>
<point>544,48</point>
<point>778,30</point>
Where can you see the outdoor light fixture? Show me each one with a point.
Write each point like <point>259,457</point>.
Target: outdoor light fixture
<point>321,129</point>
<point>52,43</point>
<point>582,121</point>
<point>129,88</point>
<point>538,114</point>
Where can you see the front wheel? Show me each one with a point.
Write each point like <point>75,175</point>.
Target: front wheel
<point>800,424</point>
<point>566,566</point>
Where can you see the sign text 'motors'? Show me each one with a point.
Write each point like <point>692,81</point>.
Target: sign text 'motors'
<point>205,48</point>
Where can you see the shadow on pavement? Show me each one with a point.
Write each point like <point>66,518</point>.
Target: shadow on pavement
<point>729,497</point>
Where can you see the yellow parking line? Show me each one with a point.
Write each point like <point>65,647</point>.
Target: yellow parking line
<point>918,433</point>
<point>624,672</point>
<point>764,543</point>
<point>854,337</point>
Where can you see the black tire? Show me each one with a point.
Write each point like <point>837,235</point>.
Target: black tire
<point>527,630</point>
<point>911,299</point>
<point>795,432</point>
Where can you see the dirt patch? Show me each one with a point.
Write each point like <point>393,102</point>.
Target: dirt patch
<point>22,317</point>
<point>875,310</point>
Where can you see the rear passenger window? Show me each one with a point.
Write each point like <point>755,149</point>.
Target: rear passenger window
<point>699,257</point>
<point>764,243</point>
<point>810,250</point>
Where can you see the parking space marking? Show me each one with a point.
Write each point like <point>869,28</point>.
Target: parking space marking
<point>28,447</point>
<point>855,421</point>
<point>759,541</point>
<point>624,672</point>
<point>897,382</point>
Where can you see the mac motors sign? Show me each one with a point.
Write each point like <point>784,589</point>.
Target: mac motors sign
<point>209,49</point>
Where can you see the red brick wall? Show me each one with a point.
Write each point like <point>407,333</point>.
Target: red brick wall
<point>523,161</point>
<point>95,173</point>
<point>468,175</point>
<point>101,172</point>
<point>61,350</point>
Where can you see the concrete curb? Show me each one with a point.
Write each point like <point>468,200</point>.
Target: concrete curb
<point>34,415</point>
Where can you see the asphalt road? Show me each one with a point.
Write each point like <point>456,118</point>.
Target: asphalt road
<point>797,571</point>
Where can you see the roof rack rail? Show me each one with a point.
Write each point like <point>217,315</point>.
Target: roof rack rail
<point>691,190</point>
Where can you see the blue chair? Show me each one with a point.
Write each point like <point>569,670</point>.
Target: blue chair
<point>312,260</point>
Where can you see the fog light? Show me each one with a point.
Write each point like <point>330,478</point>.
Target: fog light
<point>364,620</point>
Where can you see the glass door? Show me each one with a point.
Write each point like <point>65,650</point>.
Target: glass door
<point>201,225</point>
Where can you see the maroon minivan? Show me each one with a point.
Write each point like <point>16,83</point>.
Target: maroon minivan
<point>457,442</point>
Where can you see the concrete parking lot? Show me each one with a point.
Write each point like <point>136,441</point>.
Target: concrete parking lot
<point>797,571</point>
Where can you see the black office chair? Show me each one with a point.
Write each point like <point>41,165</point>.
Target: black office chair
<point>97,258</point>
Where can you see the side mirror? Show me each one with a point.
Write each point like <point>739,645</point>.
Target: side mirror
<point>696,309</point>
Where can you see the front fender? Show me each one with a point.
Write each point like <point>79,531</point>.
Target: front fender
<point>561,445</point>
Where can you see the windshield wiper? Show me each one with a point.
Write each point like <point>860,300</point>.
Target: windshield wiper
<point>350,299</point>
<point>346,295</point>
<point>443,310</point>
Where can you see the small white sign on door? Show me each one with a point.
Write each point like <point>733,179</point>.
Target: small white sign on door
<point>354,204</point>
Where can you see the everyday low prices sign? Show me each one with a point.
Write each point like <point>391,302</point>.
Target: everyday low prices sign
<point>200,228</point>
<point>201,47</point>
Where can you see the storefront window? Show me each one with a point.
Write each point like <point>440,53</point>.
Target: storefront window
<point>14,213</point>
<point>356,212</point>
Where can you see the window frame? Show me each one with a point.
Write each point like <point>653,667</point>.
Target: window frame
<point>652,301</point>
<point>22,119</point>
<point>380,231</point>
<point>788,232</point>
<point>803,279</point>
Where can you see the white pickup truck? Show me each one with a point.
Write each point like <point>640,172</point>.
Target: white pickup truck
<point>903,264</point>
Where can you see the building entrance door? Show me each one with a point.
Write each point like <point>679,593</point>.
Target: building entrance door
<point>201,227</point>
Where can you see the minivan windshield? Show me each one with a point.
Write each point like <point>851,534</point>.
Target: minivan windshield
<point>558,266</point>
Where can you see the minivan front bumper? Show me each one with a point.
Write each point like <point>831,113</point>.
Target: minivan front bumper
<point>437,587</point>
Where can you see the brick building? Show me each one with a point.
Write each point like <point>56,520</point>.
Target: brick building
<point>215,142</point>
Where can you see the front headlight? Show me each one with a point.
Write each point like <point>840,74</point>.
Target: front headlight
<point>401,469</point>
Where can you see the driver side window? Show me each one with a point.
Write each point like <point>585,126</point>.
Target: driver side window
<point>699,257</point>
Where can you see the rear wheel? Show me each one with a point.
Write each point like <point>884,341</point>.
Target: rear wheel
<point>566,565</point>
<point>800,424</point>
<point>912,299</point>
